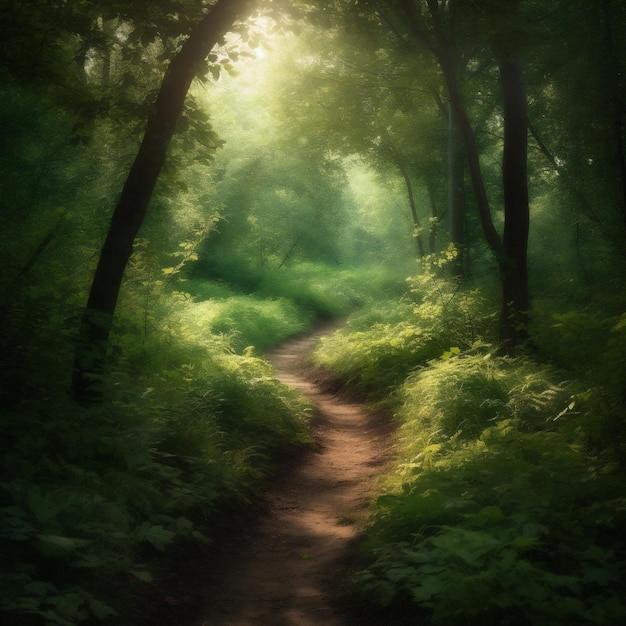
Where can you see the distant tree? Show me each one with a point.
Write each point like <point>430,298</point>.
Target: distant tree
<point>453,34</point>
<point>362,94</point>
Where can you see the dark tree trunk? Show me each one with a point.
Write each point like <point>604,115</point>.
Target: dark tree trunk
<point>618,122</point>
<point>130,211</point>
<point>456,190</point>
<point>471,152</point>
<point>434,214</point>
<point>510,250</point>
<point>400,163</point>
<point>513,262</point>
<point>416,222</point>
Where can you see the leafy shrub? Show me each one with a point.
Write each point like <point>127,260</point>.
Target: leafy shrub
<point>380,347</point>
<point>592,346</point>
<point>202,290</point>
<point>494,515</point>
<point>248,321</point>
<point>379,358</point>
<point>461,395</point>
<point>328,292</point>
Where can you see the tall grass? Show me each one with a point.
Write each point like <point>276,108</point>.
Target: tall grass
<point>382,344</point>
<point>89,496</point>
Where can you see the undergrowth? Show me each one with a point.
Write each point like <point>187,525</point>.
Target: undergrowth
<point>283,302</point>
<point>496,513</point>
<point>192,424</point>
<point>317,290</point>
<point>248,321</point>
<point>382,344</point>
<point>89,496</point>
<point>506,504</point>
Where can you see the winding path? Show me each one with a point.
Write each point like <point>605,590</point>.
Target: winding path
<point>288,566</point>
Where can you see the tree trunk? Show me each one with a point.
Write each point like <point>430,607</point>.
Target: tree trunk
<point>400,163</point>
<point>416,222</point>
<point>618,122</point>
<point>471,151</point>
<point>513,263</point>
<point>95,327</point>
<point>511,250</point>
<point>456,191</point>
<point>434,214</point>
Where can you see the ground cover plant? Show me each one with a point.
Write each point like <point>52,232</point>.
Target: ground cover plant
<point>382,344</point>
<point>285,301</point>
<point>88,494</point>
<point>506,504</point>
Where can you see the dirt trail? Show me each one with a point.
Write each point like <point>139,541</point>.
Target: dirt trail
<point>287,567</point>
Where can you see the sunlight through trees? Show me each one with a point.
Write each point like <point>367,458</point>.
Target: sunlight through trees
<point>187,183</point>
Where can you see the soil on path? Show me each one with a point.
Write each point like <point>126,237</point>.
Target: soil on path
<point>288,567</point>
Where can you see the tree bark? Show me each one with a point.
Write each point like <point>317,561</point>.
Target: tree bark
<point>95,327</point>
<point>434,214</point>
<point>513,263</point>
<point>398,160</point>
<point>416,222</point>
<point>471,152</point>
<point>510,250</point>
<point>456,192</point>
<point>618,122</point>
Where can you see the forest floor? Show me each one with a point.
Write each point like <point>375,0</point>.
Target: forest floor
<point>288,564</point>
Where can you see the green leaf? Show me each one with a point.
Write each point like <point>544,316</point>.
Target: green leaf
<point>142,575</point>
<point>599,575</point>
<point>158,536</point>
<point>524,543</point>
<point>39,588</point>
<point>90,561</point>
<point>488,516</point>
<point>66,543</point>
<point>42,505</point>
<point>430,587</point>
<point>101,610</point>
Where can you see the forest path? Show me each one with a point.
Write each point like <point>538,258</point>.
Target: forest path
<point>287,568</point>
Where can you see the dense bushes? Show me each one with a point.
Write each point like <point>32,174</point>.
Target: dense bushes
<point>380,346</point>
<point>88,494</point>
<point>306,290</point>
<point>506,504</point>
<point>193,422</point>
<point>496,514</point>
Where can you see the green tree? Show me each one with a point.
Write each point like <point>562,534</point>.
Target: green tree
<point>456,35</point>
<point>137,191</point>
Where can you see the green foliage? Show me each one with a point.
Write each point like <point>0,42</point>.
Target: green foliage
<point>494,514</point>
<point>88,495</point>
<point>379,358</point>
<point>298,291</point>
<point>506,504</point>
<point>248,321</point>
<point>327,291</point>
<point>592,345</point>
<point>379,347</point>
<point>462,395</point>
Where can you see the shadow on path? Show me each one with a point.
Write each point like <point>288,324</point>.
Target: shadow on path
<point>287,565</point>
